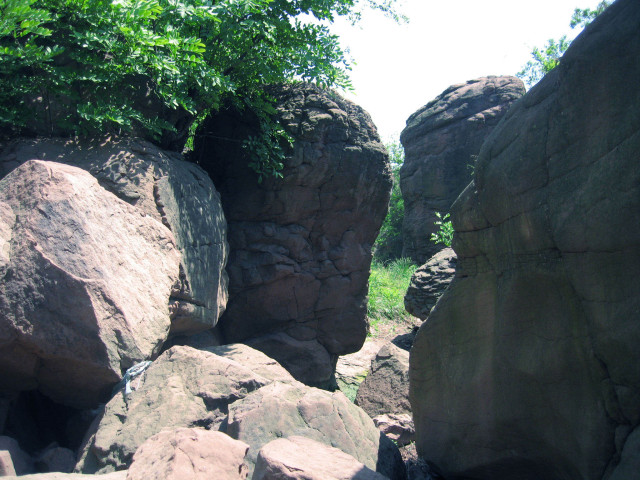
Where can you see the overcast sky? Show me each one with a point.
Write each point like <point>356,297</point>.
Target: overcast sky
<point>401,67</point>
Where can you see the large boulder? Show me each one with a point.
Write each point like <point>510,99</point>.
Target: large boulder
<point>189,453</point>
<point>163,186</point>
<point>529,366</point>
<point>184,387</point>
<point>301,244</point>
<point>86,280</point>
<point>429,282</point>
<point>300,458</point>
<point>283,409</point>
<point>441,142</point>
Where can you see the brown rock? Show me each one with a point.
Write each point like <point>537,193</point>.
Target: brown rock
<point>86,281</point>
<point>398,427</point>
<point>529,366</point>
<point>386,388</point>
<point>184,387</point>
<point>282,410</point>
<point>6,464</point>
<point>441,142</point>
<point>70,476</point>
<point>163,186</point>
<point>301,244</point>
<point>429,282</point>
<point>300,458</point>
<point>189,453</point>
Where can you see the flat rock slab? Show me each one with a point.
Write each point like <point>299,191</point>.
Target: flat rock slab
<point>189,453</point>
<point>86,282</point>
<point>300,458</point>
<point>352,369</point>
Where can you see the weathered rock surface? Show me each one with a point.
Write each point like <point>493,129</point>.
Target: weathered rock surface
<point>56,459</point>
<point>398,427</point>
<point>184,387</point>
<point>163,186</point>
<point>70,476</point>
<point>386,388</point>
<point>75,313</point>
<point>352,369</point>
<point>301,244</point>
<point>529,365</point>
<point>21,461</point>
<point>283,410</point>
<point>441,141</point>
<point>6,464</point>
<point>189,453</point>
<point>300,458</point>
<point>429,282</point>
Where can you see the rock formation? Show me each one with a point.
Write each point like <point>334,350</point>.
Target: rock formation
<point>429,282</point>
<point>529,366</point>
<point>189,453</point>
<point>386,388</point>
<point>301,244</point>
<point>184,387</point>
<point>299,458</point>
<point>163,186</point>
<point>441,141</point>
<point>75,314</point>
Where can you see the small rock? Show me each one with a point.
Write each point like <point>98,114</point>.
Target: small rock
<point>398,427</point>
<point>56,459</point>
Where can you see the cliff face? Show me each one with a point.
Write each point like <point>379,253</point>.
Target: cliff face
<point>528,367</point>
<point>301,245</point>
<point>441,143</point>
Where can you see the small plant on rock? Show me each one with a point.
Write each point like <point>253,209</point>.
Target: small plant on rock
<point>445,230</point>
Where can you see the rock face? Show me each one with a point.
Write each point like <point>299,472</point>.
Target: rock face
<point>184,387</point>
<point>164,187</point>
<point>441,142</point>
<point>429,282</point>
<point>386,388</point>
<point>301,245</point>
<point>282,410</point>
<point>189,453</point>
<point>529,365</point>
<point>75,314</point>
<point>299,458</point>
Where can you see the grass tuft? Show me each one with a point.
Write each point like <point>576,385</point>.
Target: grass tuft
<point>387,287</point>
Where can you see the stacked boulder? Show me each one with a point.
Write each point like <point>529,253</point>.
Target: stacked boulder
<point>301,244</point>
<point>529,366</point>
<point>441,142</point>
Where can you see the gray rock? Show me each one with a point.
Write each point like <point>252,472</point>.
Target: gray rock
<point>429,282</point>
<point>163,186</point>
<point>56,459</point>
<point>628,467</point>
<point>21,461</point>
<point>70,476</point>
<point>86,280</point>
<point>184,387</point>
<point>301,245</point>
<point>386,388</point>
<point>6,464</point>
<point>283,410</point>
<point>300,458</point>
<point>529,367</point>
<point>441,142</point>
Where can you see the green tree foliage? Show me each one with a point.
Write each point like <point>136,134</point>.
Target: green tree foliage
<point>548,57</point>
<point>151,66</point>
<point>388,245</point>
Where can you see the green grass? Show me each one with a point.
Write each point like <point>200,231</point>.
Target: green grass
<point>387,287</point>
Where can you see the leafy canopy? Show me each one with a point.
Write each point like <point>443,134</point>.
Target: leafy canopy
<point>153,66</point>
<point>548,57</point>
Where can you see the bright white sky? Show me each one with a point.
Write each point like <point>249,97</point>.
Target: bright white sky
<point>401,67</point>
